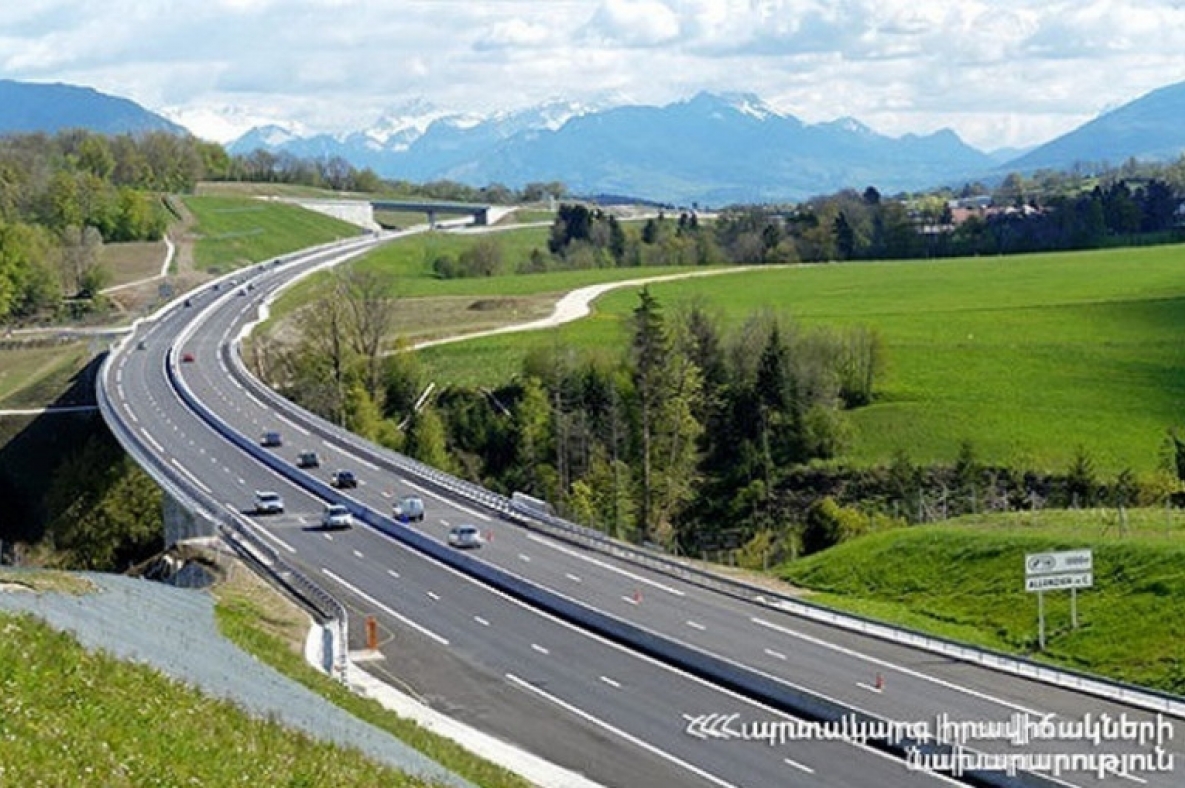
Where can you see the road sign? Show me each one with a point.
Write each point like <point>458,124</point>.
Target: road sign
<point>1058,582</point>
<point>1038,564</point>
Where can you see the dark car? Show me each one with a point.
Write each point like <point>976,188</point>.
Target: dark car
<point>343,479</point>
<point>308,459</point>
<point>271,439</point>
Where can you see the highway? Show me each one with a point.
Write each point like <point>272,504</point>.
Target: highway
<point>614,715</point>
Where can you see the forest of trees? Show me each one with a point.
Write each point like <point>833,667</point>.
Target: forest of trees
<point>63,196</point>
<point>682,436</point>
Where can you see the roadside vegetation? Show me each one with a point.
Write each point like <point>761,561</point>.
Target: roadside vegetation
<point>964,580</point>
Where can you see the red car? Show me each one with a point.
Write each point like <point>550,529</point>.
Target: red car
<point>187,358</point>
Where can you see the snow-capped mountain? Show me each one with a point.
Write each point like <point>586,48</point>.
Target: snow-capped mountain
<point>710,149</point>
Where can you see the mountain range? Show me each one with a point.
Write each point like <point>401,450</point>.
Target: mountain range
<point>711,149</point>
<point>714,149</point>
<point>27,107</point>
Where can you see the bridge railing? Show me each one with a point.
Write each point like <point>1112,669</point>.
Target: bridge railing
<point>233,528</point>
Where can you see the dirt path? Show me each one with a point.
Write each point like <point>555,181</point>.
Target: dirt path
<point>578,304</point>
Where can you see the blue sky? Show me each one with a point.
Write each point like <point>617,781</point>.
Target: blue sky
<point>998,72</point>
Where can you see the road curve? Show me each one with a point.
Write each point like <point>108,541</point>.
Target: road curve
<point>581,701</point>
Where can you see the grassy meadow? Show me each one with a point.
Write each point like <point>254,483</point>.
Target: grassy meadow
<point>1129,623</point>
<point>1030,358</point>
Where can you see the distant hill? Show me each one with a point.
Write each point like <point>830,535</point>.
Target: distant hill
<point>1149,128</point>
<point>33,106</point>
<point>711,149</point>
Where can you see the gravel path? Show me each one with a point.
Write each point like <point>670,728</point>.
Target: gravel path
<point>174,631</point>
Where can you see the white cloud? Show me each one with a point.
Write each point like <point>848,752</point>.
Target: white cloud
<point>1000,72</point>
<point>643,23</point>
<point>514,33</point>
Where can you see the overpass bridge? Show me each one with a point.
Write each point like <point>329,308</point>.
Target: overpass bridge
<point>361,212</point>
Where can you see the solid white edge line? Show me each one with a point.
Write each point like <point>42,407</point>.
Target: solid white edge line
<point>264,532</point>
<point>293,424</point>
<point>629,737</point>
<point>185,472</point>
<point>894,666</point>
<point>423,630</point>
<point>597,562</point>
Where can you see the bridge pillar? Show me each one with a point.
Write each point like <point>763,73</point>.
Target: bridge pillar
<point>180,523</point>
<point>432,220</point>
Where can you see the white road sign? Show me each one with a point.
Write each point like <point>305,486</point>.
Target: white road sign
<point>1058,582</point>
<point>1037,564</point>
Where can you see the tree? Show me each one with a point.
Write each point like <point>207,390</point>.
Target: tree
<point>370,314</point>
<point>532,418</point>
<point>80,247</point>
<point>649,351</point>
<point>845,237</point>
<point>426,440</point>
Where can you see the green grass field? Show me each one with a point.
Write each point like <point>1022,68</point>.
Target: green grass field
<point>1129,622</point>
<point>238,231</point>
<point>1027,357</point>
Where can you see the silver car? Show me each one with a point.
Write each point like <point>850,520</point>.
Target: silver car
<point>464,536</point>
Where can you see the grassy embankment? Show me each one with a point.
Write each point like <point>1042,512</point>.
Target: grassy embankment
<point>236,231</point>
<point>1029,358</point>
<point>260,621</point>
<point>965,580</point>
<point>73,717</point>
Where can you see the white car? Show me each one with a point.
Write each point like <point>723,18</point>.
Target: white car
<point>268,503</point>
<point>336,516</point>
<point>464,536</point>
